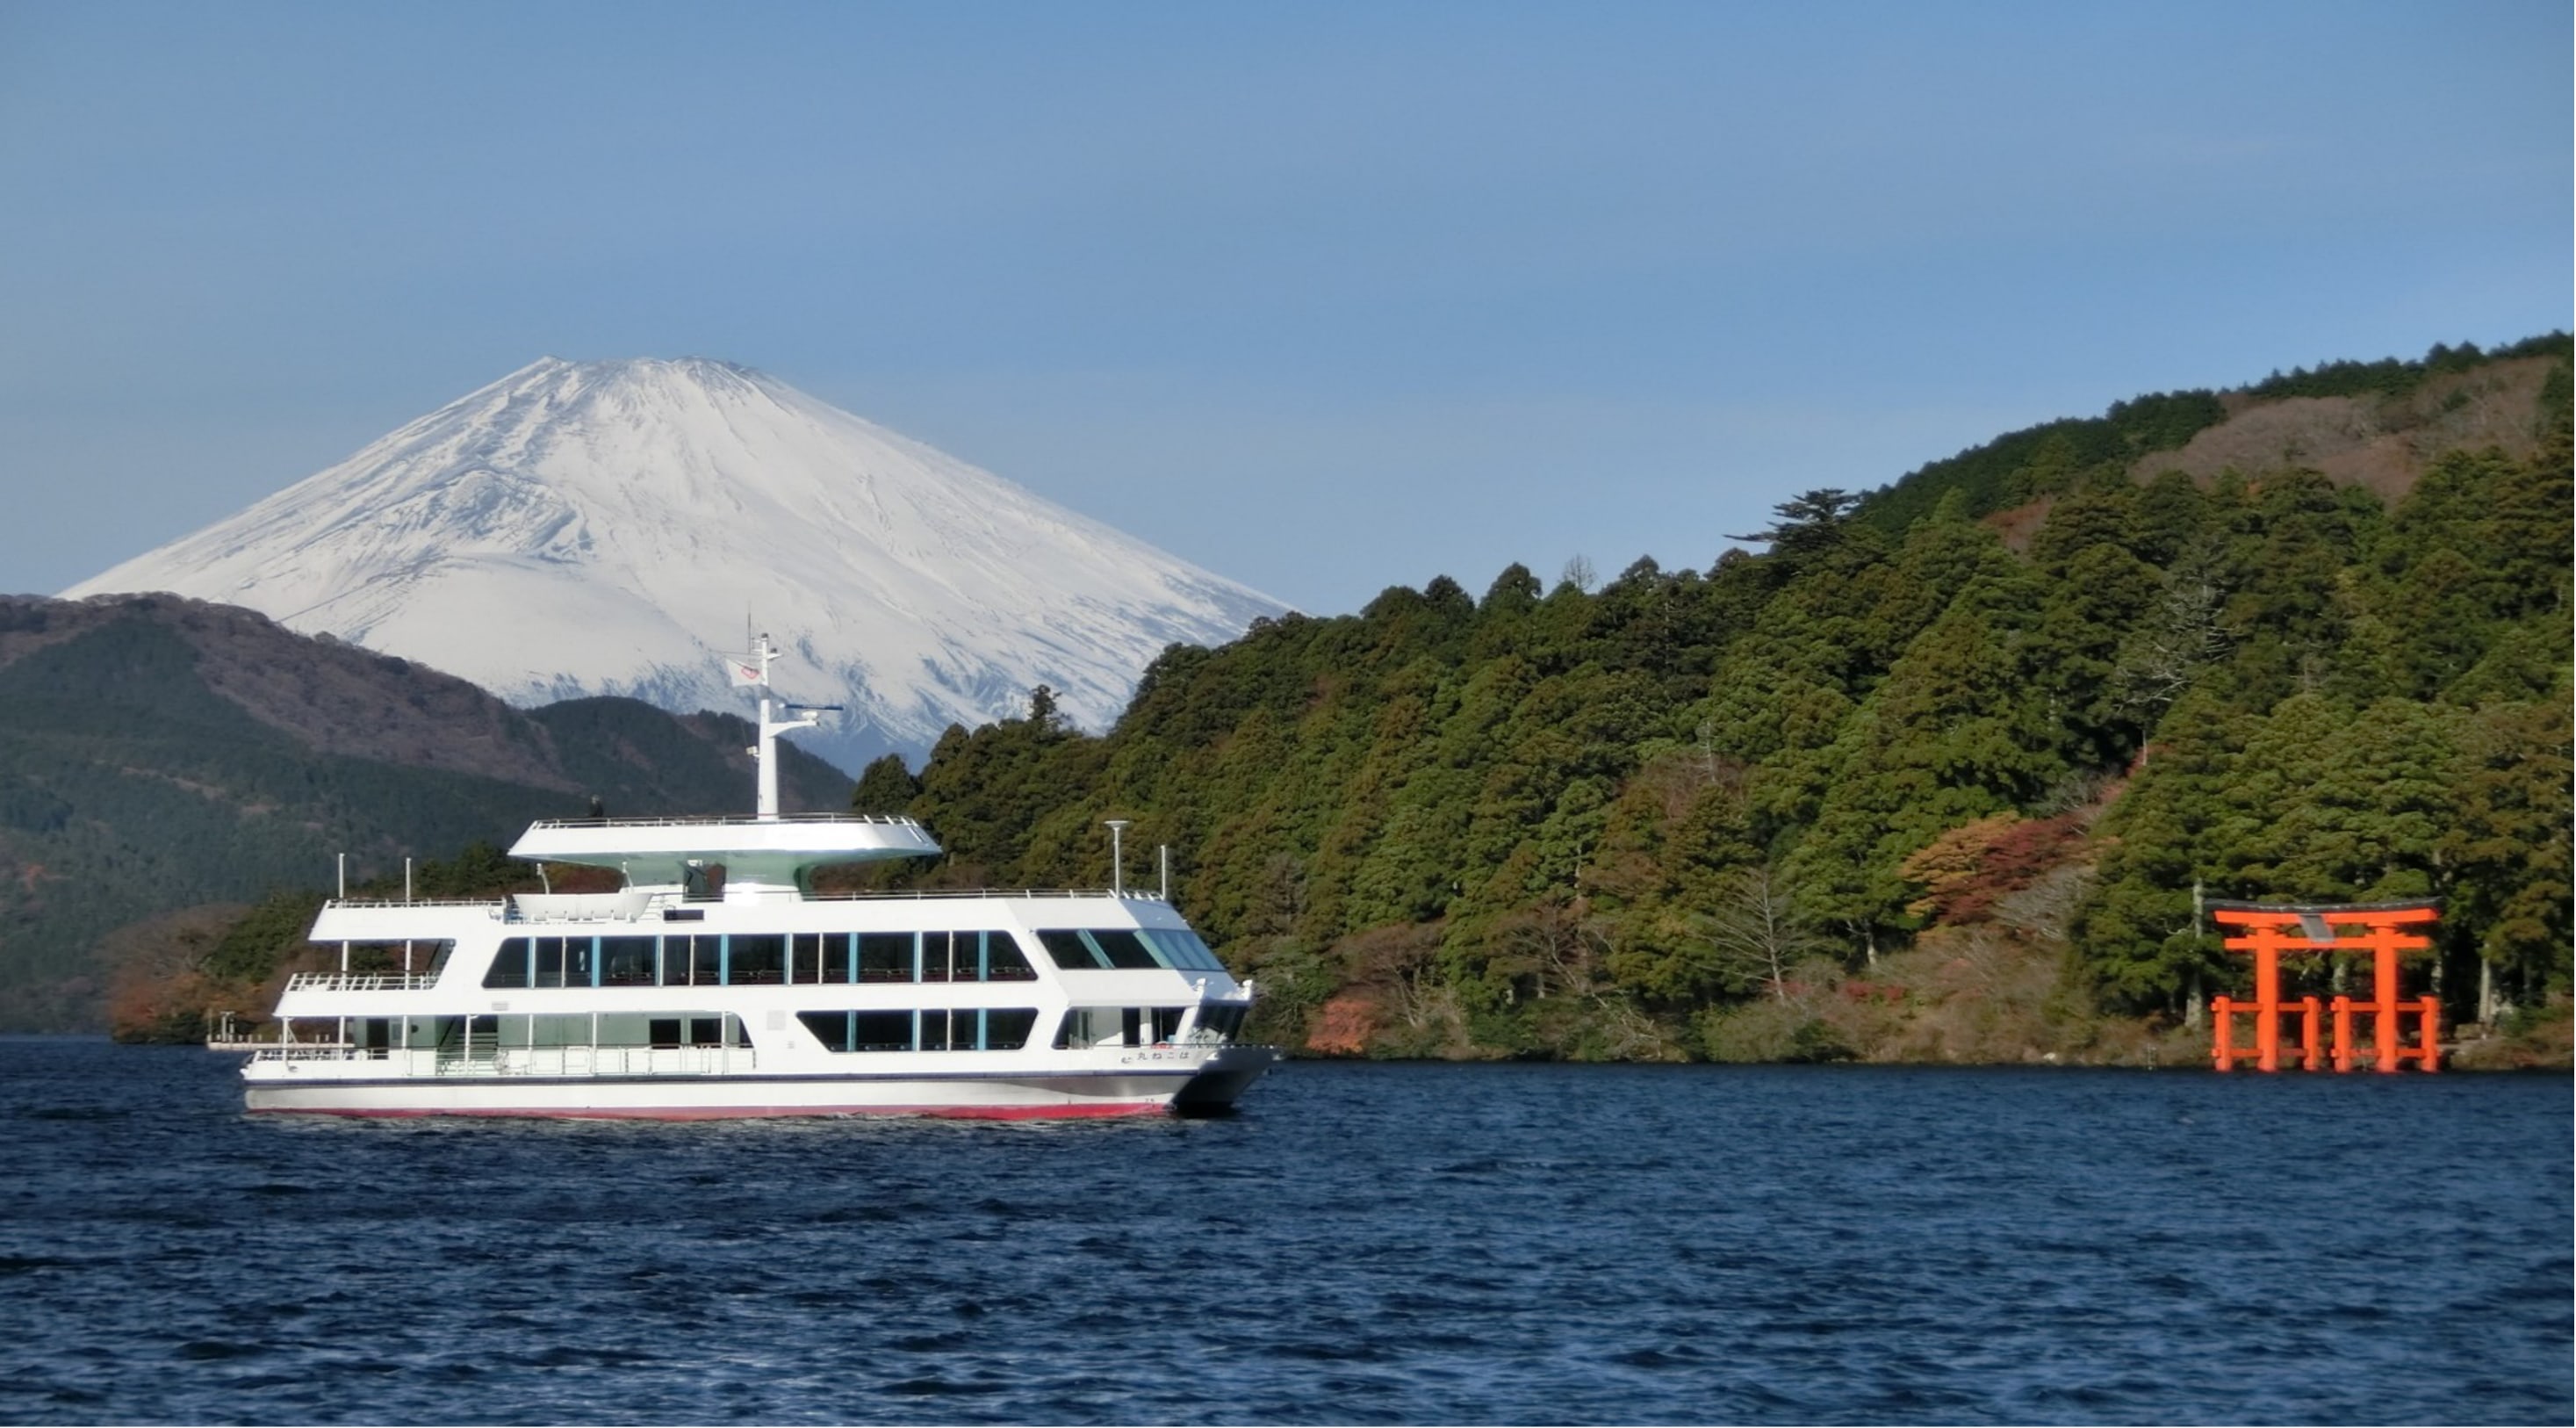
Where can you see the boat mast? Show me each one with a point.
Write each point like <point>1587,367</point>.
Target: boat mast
<point>799,716</point>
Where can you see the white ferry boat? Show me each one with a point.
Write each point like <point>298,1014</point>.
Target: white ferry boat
<point>693,993</point>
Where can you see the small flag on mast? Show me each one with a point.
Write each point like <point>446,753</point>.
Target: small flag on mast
<point>744,673</point>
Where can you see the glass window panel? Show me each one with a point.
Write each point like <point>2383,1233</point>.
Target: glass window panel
<point>664,1031</point>
<point>1123,948</point>
<point>805,958</point>
<point>626,961</point>
<point>1069,949</point>
<point>550,962</point>
<point>510,965</point>
<point>832,1028</point>
<point>706,959</point>
<point>1003,960</point>
<point>935,964</point>
<point>1195,948</point>
<point>836,957</point>
<point>881,1031</point>
<point>757,961</point>
<point>934,1029</point>
<point>1007,1028</point>
<point>885,956</point>
<point>1167,952</point>
<point>1167,1023</point>
<point>706,1031</point>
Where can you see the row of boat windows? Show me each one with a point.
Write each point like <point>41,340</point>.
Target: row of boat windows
<point>810,958</point>
<point>604,1029</point>
<point>1008,1028</point>
<point>1139,1026</point>
<point>1092,948</point>
<point>926,1029</point>
<point>758,959</point>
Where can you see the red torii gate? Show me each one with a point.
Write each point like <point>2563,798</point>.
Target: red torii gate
<point>2269,931</point>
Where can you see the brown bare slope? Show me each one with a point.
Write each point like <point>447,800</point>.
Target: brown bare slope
<point>2382,442</point>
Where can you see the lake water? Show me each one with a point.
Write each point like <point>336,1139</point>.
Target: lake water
<point>1362,1243</point>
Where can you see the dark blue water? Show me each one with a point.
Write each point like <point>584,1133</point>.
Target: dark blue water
<point>1362,1244</point>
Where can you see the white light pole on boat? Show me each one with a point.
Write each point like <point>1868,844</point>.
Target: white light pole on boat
<point>754,673</point>
<point>1117,850</point>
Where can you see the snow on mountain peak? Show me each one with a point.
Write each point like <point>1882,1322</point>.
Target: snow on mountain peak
<point>605,528</point>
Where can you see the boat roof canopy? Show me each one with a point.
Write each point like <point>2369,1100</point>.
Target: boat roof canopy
<point>768,851</point>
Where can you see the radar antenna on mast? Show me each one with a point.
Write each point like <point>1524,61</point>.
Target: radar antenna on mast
<point>753,672</point>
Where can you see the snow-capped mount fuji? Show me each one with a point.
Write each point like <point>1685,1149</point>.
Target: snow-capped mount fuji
<point>584,528</point>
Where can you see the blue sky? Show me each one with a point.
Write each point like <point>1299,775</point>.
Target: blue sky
<point>1323,297</point>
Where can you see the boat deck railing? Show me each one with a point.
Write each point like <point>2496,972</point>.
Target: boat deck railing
<point>929,894</point>
<point>492,905</point>
<point>728,820</point>
<point>512,911</point>
<point>360,982</point>
<point>429,1064</point>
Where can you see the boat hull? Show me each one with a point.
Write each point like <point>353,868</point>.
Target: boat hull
<point>1192,1089</point>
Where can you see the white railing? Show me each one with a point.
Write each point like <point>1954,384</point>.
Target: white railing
<point>490,905</point>
<point>885,819</point>
<point>927,894</point>
<point>360,982</point>
<point>525,1061</point>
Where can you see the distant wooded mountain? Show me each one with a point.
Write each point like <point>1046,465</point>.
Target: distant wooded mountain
<point>157,753</point>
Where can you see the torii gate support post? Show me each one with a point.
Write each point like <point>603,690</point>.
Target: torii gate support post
<point>2267,936</point>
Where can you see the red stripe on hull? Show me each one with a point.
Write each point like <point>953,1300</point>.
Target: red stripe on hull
<point>727,1113</point>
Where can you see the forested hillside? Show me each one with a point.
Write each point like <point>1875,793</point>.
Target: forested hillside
<point>1653,819</point>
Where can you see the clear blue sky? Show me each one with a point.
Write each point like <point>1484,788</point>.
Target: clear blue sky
<point>1323,297</point>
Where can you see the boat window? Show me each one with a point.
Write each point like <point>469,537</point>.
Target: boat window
<point>1070,950</point>
<point>706,1031</point>
<point>932,1029</point>
<point>706,959</point>
<point>1007,1028</point>
<point>885,956</point>
<point>935,954</point>
<point>439,953</point>
<point>1167,1022</point>
<point>1122,947</point>
<point>1003,960</point>
<point>881,1031</point>
<point>675,962</point>
<point>757,961</point>
<point>664,1031</point>
<point>815,957</point>
<point>830,1028</point>
<point>550,962</point>
<point>1089,1026</point>
<point>1220,1020</point>
<point>626,961</point>
<point>1093,948</point>
<point>509,965</point>
<point>1181,948</point>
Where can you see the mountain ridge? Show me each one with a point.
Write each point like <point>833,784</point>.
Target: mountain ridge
<point>594,528</point>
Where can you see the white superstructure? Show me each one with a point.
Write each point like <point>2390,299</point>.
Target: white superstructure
<point>716,982</point>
